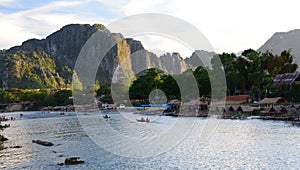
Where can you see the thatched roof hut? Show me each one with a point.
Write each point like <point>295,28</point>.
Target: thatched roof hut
<point>272,101</point>
<point>292,111</point>
<point>244,108</point>
<point>238,99</point>
<point>229,109</point>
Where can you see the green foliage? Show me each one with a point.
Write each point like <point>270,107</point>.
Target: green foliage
<point>40,98</point>
<point>290,92</point>
<point>30,70</point>
<point>187,85</point>
<point>203,80</point>
<point>104,90</point>
<point>62,97</point>
<point>141,87</point>
<point>252,72</point>
<point>107,99</point>
<point>76,84</point>
<point>172,86</point>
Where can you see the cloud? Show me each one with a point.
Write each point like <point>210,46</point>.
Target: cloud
<point>161,44</point>
<point>40,21</point>
<point>230,25</point>
<point>8,3</point>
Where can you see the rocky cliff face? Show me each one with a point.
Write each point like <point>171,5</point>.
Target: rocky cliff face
<point>49,63</point>
<point>199,58</point>
<point>284,41</point>
<point>141,59</point>
<point>173,63</point>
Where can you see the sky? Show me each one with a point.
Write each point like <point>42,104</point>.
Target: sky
<point>230,25</point>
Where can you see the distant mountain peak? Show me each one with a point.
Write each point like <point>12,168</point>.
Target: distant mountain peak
<point>281,41</point>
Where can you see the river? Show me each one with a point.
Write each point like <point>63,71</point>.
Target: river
<point>230,144</point>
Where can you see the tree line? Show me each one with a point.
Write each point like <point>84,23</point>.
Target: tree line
<point>39,98</point>
<point>250,73</point>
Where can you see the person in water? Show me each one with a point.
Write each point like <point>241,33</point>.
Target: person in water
<point>147,120</point>
<point>142,119</point>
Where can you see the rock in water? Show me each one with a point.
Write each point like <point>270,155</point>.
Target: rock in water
<point>44,143</point>
<point>15,147</point>
<point>73,161</point>
<point>2,138</point>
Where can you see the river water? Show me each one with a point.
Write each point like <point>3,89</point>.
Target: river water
<point>230,144</point>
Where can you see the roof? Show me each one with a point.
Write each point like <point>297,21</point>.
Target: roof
<point>174,101</point>
<point>239,99</point>
<point>244,108</point>
<point>275,100</point>
<point>228,109</point>
<point>270,110</point>
<point>196,102</point>
<point>292,111</point>
<point>287,78</point>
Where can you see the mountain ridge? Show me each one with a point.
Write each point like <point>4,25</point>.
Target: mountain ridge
<point>281,41</point>
<point>49,62</point>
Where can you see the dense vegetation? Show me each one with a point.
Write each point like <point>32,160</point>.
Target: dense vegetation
<point>254,72</point>
<point>30,70</point>
<point>172,86</point>
<point>251,73</point>
<point>33,99</point>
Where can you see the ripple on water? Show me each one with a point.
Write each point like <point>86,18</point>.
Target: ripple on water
<point>249,144</point>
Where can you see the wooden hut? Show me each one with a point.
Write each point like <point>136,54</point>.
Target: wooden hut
<point>244,109</point>
<point>238,99</point>
<point>272,101</point>
<point>196,107</point>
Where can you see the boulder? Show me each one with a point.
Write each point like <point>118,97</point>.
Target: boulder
<point>73,161</point>
<point>15,147</point>
<point>44,143</point>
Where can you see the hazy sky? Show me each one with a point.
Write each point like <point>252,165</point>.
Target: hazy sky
<point>230,25</point>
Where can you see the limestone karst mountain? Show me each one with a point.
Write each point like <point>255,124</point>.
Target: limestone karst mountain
<point>49,62</point>
<point>281,41</point>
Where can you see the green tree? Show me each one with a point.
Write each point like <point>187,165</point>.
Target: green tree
<point>62,97</point>
<point>143,85</point>
<point>203,81</point>
<point>169,87</point>
<point>279,64</point>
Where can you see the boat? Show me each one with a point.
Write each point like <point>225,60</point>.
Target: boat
<point>106,116</point>
<point>143,120</point>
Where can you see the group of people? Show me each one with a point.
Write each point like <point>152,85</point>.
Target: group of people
<point>144,120</point>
